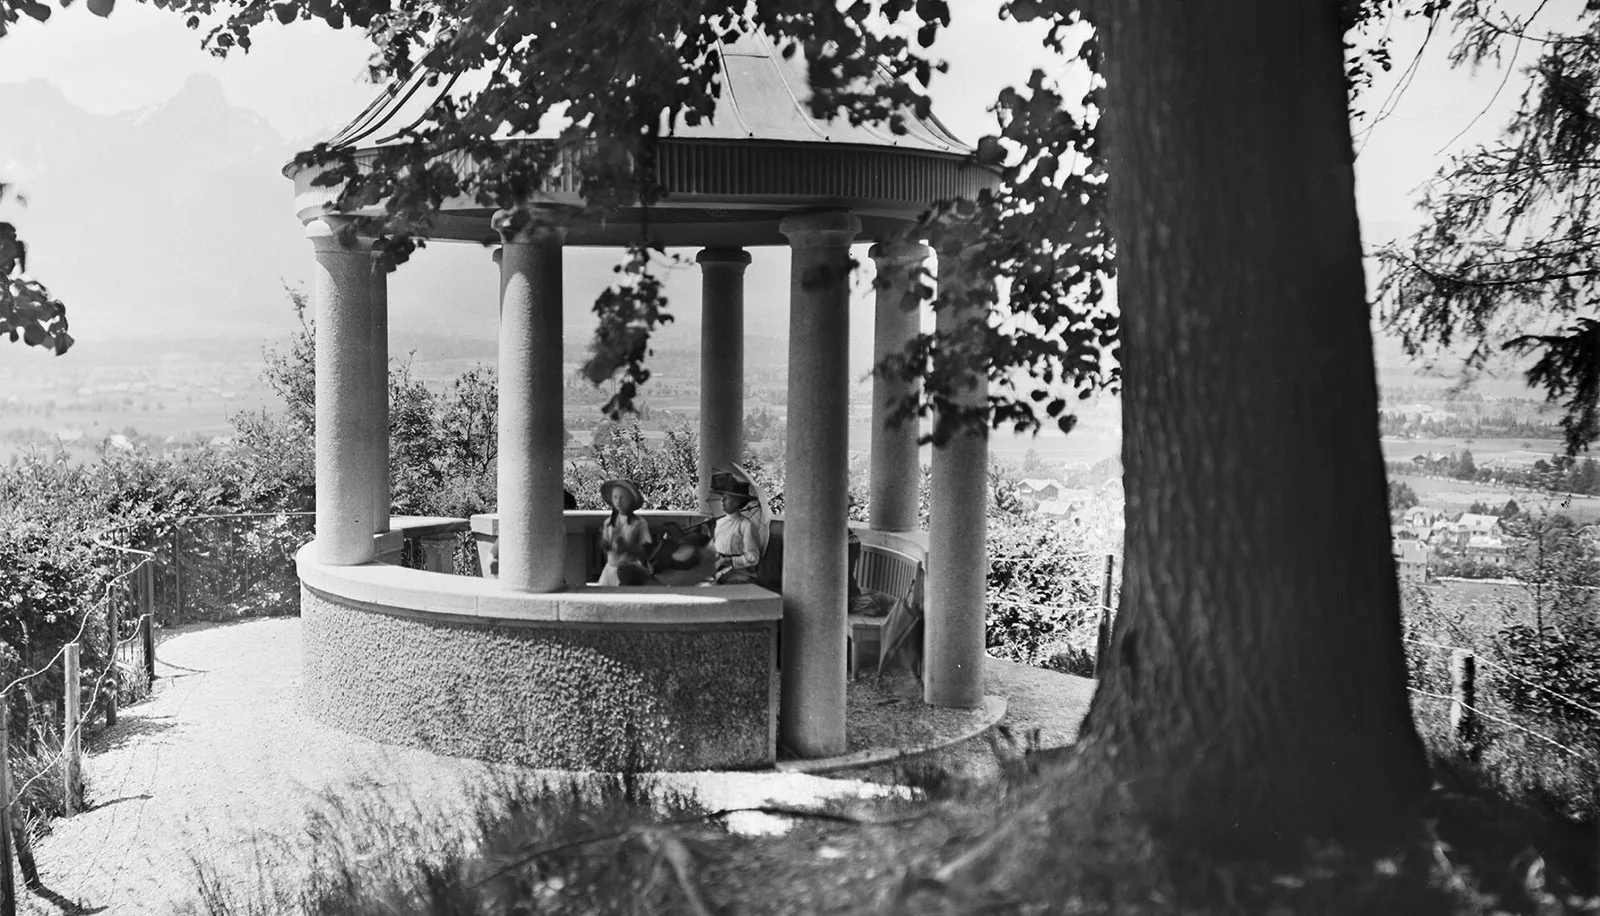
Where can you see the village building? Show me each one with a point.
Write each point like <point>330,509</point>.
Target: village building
<point>1471,525</point>
<point>1411,559</point>
<point>1041,489</point>
<point>1487,550</point>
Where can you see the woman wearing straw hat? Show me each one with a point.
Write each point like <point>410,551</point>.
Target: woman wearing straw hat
<point>740,537</point>
<point>625,536</point>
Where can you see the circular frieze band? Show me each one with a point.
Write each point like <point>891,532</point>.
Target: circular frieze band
<point>735,174</point>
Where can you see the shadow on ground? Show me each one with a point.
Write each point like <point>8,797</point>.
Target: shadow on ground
<point>131,726</point>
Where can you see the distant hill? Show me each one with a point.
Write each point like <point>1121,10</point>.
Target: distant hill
<point>174,216</point>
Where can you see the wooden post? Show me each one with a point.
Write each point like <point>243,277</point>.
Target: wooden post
<point>1463,700</point>
<point>113,625</point>
<point>70,746</point>
<point>147,620</point>
<point>8,883</point>
<point>177,571</point>
<point>1102,643</point>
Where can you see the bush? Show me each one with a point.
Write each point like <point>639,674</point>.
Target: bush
<point>1043,585</point>
<point>667,475</point>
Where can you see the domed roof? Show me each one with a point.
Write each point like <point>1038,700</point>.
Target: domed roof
<point>763,98</point>
<point>730,179</point>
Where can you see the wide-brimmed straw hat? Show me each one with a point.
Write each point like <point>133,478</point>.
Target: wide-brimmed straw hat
<point>611,486</point>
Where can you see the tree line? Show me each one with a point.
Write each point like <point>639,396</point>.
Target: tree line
<point>1454,426</point>
<point>1559,473</point>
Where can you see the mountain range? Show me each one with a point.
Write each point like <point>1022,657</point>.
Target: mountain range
<point>174,223</point>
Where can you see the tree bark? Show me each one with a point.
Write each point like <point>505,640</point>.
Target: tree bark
<point>1256,682</point>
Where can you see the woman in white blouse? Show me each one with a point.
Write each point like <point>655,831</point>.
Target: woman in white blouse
<point>740,537</point>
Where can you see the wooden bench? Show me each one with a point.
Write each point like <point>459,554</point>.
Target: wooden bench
<point>884,570</point>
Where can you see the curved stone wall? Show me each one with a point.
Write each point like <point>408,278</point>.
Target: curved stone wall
<point>626,689</point>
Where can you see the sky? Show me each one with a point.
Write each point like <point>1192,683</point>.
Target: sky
<point>307,79</point>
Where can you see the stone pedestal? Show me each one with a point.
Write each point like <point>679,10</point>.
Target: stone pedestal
<point>811,722</point>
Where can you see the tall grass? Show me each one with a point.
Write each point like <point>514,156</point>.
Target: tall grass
<point>519,845</point>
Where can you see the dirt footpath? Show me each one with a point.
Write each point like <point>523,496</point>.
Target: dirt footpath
<point>221,764</point>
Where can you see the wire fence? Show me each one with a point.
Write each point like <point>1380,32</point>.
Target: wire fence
<point>213,567</point>
<point>1481,709</point>
<point>227,566</point>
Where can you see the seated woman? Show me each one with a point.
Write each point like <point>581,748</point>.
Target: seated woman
<point>624,536</point>
<point>741,533</point>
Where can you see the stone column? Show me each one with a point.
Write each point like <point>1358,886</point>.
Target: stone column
<point>816,466</point>
<point>381,481</point>
<point>532,531</point>
<point>346,426</point>
<point>957,556</point>
<point>721,363</point>
<point>896,472</point>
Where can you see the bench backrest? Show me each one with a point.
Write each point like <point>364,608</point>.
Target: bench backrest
<point>886,570</point>
<point>769,572</point>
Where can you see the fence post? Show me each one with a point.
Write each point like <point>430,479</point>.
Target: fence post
<point>147,620</point>
<point>1463,700</point>
<point>8,881</point>
<point>113,627</point>
<point>177,570</point>
<point>70,746</point>
<point>1102,643</point>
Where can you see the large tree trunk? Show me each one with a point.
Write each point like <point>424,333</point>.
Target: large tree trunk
<point>1257,677</point>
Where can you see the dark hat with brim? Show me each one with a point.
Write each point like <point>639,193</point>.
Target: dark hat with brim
<point>730,482</point>
<point>611,486</point>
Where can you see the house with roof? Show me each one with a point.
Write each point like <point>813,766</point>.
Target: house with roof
<point>1490,551</point>
<point>1471,525</point>
<point>1040,489</point>
<point>1421,517</point>
<point>1411,559</point>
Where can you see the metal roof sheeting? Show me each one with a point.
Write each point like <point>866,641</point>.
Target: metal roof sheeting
<point>763,99</point>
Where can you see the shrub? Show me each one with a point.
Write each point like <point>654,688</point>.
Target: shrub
<point>1044,585</point>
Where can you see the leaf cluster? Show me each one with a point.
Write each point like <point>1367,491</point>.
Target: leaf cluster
<point>28,312</point>
<point>1026,266</point>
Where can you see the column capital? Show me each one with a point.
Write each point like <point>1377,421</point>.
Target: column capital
<point>335,233</point>
<point>826,229</point>
<point>729,257</point>
<point>526,225</point>
<point>898,252</point>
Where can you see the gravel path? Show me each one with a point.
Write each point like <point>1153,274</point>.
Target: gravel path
<point>222,754</point>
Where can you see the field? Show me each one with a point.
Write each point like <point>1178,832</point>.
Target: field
<point>1458,495</point>
<point>1489,600</point>
<point>1507,451</point>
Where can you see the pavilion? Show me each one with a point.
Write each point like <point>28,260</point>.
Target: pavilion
<point>763,171</point>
